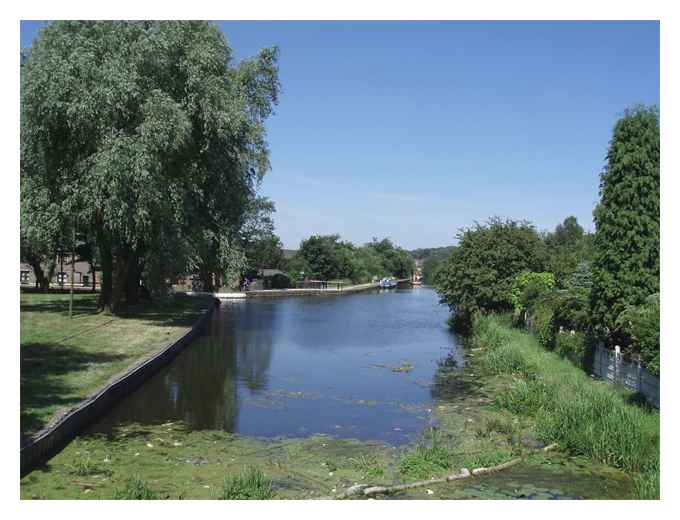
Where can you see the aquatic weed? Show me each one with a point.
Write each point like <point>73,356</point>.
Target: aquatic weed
<point>368,465</point>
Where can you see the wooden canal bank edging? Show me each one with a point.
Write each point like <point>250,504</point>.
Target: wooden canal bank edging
<point>50,440</point>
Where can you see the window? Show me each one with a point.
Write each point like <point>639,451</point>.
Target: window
<point>86,279</point>
<point>62,278</point>
<point>24,276</point>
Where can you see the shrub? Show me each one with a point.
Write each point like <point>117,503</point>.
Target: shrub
<point>250,485</point>
<point>528,286</point>
<point>572,309</point>
<point>279,281</point>
<point>571,346</point>
<point>641,323</point>
<point>543,322</point>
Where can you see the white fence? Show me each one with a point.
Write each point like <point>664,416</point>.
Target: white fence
<point>611,366</point>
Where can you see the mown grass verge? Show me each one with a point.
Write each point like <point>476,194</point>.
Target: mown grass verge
<point>65,359</point>
<point>586,417</point>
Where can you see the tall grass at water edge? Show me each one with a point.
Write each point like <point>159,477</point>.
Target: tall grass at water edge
<point>586,417</point>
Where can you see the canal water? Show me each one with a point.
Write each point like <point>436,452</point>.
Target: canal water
<point>354,366</point>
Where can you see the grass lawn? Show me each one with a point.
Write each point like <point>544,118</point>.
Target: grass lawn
<point>65,359</point>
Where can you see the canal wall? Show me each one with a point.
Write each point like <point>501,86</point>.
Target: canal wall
<point>49,441</point>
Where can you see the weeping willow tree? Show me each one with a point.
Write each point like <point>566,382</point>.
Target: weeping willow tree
<point>150,139</point>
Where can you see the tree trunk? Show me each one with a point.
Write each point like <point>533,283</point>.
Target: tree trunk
<point>206,279</point>
<point>50,273</point>
<point>39,274</point>
<point>126,278</point>
<point>132,280</point>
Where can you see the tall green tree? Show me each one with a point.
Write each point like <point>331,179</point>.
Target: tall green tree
<point>327,257</point>
<point>626,259</point>
<point>568,247</point>
<point>262,248</point>
<point>434,259</point>
<point>148,138</point>
<point>479,274</point>
<point>397,261</point>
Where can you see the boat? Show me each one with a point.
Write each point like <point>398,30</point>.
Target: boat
<point>388,283</point>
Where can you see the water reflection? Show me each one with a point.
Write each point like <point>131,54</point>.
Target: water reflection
<point>298,366</point>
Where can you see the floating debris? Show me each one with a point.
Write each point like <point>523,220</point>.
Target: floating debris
<point>405,367</point>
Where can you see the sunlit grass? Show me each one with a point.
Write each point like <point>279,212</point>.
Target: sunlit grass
<point>585,417</point>
<point>251,484</point>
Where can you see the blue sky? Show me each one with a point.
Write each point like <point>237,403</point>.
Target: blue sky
<point>412,130</point>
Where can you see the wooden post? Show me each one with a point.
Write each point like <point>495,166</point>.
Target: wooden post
<point>73,272</point>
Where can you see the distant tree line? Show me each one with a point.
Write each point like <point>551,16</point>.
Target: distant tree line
<point>145,142</point>
<point>573,287</point>
<point>432,259</point>
<point>327,257</point>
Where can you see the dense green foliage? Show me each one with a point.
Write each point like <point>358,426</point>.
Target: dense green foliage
<point>479,274</point>
<point>626,262</point>
<point>641,323</point>
<point>326,257</point>
<point>569,250</point>
<point>597,286</point>
<point>585,417</point>
<point>396,261</point>
<point>262,248</point>
<point>433,259</point>
<point>528,286</point>
<point>146,137</point>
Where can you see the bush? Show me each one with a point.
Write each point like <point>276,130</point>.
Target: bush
<point>572,310</point>
<point>641,324</point>
<point>278,281</point>
<point>572,347</point>
<point>478,275</point>
<point>528,287</point>
<point>543,322</point>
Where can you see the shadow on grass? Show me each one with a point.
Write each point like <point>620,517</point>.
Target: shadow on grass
<point>177,311</point>
<point>81,306</point>
<point>638,399</point>
<point>45,370</point>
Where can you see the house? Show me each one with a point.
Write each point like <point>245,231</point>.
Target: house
<point>83,275</point>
